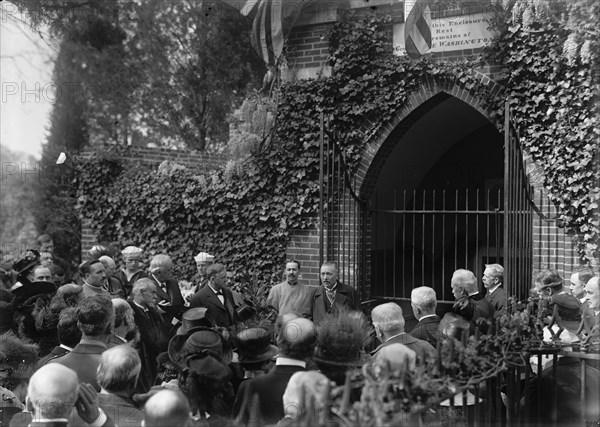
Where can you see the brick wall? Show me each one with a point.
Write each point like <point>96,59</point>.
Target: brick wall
<point>304,247</point>
<point>154,157</point>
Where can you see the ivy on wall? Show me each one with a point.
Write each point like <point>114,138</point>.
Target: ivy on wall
<point>243,213</point>
<point>551,80</point>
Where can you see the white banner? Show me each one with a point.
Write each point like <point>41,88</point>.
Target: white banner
<point>452,33</point>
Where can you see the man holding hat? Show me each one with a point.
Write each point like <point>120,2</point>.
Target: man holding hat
<point>132,257</point>
<point>217,298</point>
<point>203,260</point>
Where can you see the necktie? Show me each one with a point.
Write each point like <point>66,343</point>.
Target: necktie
<point>330,295</point>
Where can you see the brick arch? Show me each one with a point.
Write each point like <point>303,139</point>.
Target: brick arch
<point>419,103</point>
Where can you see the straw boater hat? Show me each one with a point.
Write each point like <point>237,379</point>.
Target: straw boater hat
<point>204,257</point>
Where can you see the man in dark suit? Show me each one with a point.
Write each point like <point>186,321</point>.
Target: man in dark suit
<point>69,335</point>
<point>493,280</point>
<point>95,319</point>
<point>296,341</point>
<point>470,303</point>
<point>332,294</point>
<point>424,302</point>
<point>167,288</point>
<point>118,374</point>
<point>388,321</point>
<point>216,298</point>
<point>153,331</point>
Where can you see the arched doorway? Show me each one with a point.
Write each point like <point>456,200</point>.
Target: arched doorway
<point>436,203</point>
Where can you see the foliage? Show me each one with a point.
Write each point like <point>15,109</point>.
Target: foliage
<point>389,399</point>
<point>167,73</point>
<point>17,231</point>
<point>553,95</point>
<point>243,214</point>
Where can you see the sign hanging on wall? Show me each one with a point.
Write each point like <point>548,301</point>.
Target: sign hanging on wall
<point>429,29</point>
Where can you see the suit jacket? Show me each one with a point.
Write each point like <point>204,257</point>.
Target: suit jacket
<point>473,308</point>
<point>345,296</point>
<point>425,352</point>
<point>497,299</point>
<point>120,409</point>
<point>84,360</point>
<point>269,388</point>
<point>128,284</point>
<point>56,352</point>
<point>153,341</point>
<point>427,330</point>
<point>222,315</point>
<point>172,295</point>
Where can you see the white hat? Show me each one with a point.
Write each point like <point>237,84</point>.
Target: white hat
<point>132,250</point>
<point>204,257</point>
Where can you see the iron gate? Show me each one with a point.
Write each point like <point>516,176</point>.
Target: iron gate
<point>518,207</point>
<point>424,236</point>
<point>341,219</point>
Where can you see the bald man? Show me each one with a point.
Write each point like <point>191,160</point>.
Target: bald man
<point>54,391</point>
<point>296,340</point>
<point>167,408</point>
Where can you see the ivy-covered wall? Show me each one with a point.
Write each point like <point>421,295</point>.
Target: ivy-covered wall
<point>246,212</point>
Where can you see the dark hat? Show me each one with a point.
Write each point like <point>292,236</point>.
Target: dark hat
<point>254,346</point>
<point>27,261</point>
<point>30,290</point>
<point>199,340</point>
<point>245,311</point>
<point>208,366</point>
<point>193,318</point>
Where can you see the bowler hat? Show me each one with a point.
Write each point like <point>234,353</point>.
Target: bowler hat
<point>199,340</point>
<point>254,346</point>
<point>193,318</point>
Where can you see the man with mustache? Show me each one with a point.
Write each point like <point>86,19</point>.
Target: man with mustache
<point>332,294</point>
<point>291,295</point>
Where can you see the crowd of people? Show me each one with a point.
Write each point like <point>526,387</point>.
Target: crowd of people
<point>130,346</point>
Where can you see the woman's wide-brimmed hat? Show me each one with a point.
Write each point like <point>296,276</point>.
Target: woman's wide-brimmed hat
<point>200,340</point>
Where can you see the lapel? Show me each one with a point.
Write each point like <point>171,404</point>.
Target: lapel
<point>214,299</point>
<point>341,295</point>
<point>228,296</point>
<point>162,294</point>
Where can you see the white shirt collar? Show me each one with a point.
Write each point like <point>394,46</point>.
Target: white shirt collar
<point>142,307</point>
<point>288,361</point>
<point>394,336</point>
<point>491,290</point>
<point>424,317</point>
<point>65,347</point>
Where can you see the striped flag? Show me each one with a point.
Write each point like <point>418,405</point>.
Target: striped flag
<point>417,28</point>
<point>272,23</point>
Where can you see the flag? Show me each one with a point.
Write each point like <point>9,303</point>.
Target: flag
<point>272,23</point>
<point>417,28</point>
<point>248,8</point>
